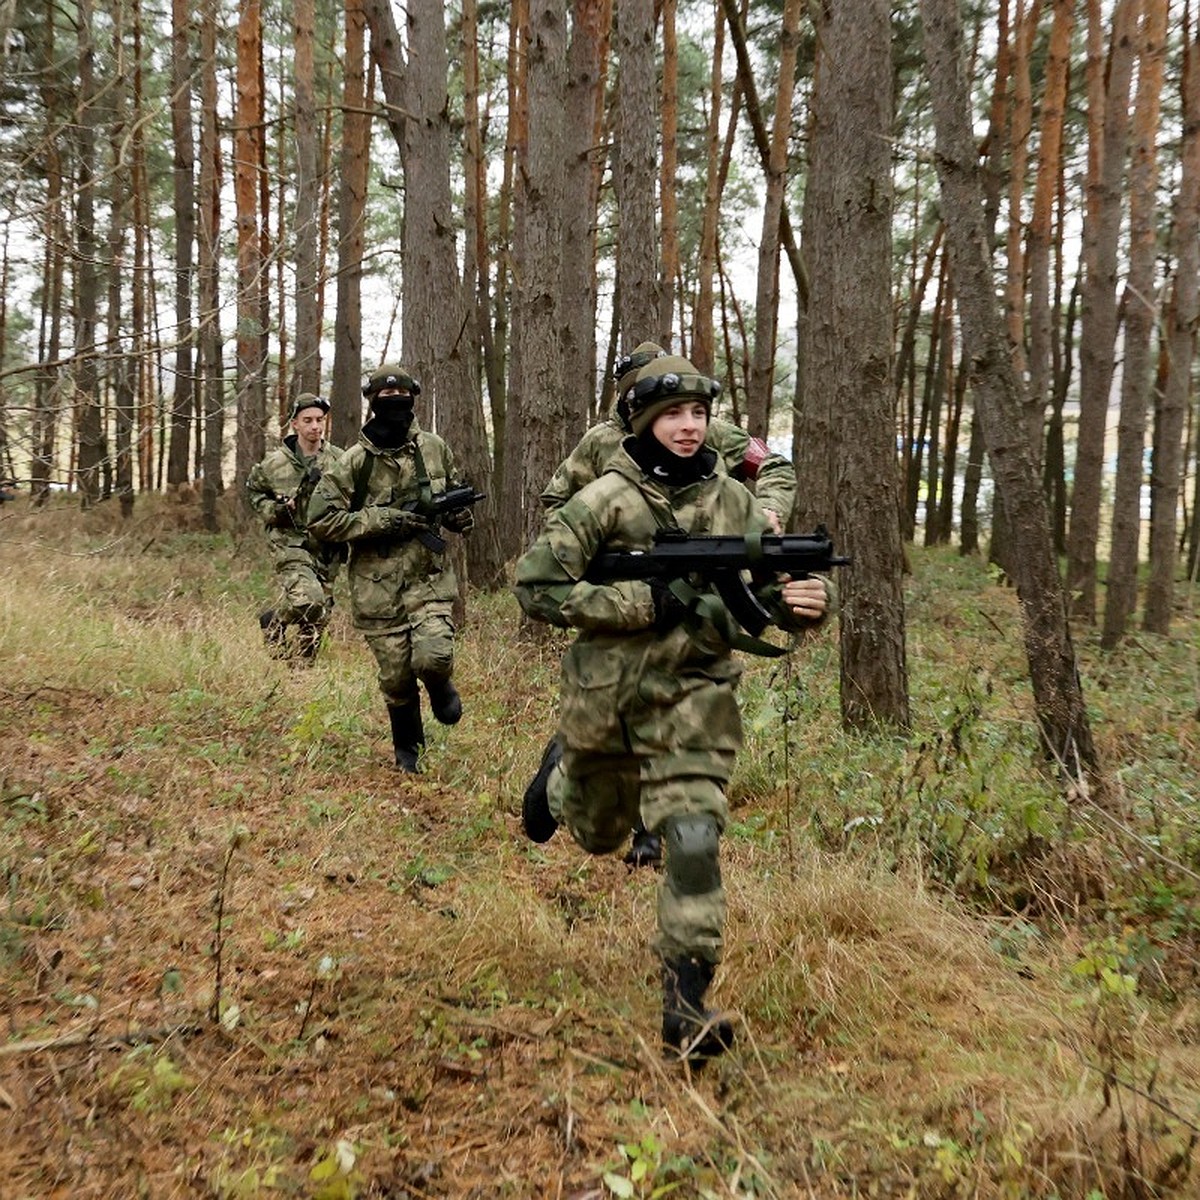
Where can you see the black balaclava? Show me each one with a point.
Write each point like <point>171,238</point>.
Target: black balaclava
<point>391,419</point>
<point>665,466</point>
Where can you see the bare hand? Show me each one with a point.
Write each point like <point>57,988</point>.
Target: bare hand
<point>773,520</point>
<point>806,598</point>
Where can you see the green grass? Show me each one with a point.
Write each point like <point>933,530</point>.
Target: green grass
<point>948,977</point>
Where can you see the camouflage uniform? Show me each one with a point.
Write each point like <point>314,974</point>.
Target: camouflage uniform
<point>743,457</point>
<point>401,591</point>
<point>305,567</point>
<point>649,723</point>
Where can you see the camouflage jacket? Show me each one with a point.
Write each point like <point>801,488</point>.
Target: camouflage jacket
<point>626,686</point>
<point>278,477</point>
<point>391,576</point>
<point>743,457</point>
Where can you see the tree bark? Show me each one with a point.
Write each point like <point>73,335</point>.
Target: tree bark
<point>92,451</point>
<point>766,307</point>
<point>348,366</point>
<point>183,408</point>
<point>306,364</point>
<point>848,357</point>
<point>1058,694</point>
<point>540,397</point>
<point>587,68</point>
<point>703,345</point>
<point>1108,130</point>
<point>1141,314</point>
<point>251,360</point>
<point>1166,471</point>
<point>634,170</point>
<point>208,271</point>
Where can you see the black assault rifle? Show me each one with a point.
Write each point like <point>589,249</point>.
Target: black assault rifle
<point>719,561</point>
<point>440,505</point>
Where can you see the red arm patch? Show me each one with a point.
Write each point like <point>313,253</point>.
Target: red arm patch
<point>756,454</point>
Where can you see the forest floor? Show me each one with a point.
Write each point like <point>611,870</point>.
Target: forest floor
<point>241,956</point>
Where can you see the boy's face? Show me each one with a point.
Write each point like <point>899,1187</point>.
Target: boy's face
<point>309,427</point>
<point>681,428</point>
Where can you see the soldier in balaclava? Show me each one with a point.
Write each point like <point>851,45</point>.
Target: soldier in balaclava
<point>402,586</point>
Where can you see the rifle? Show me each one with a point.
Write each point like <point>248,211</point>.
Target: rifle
<point>719,560</point>
<point>436,507</point>
<point>303,494</point>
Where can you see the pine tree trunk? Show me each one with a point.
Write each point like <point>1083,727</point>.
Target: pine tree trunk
<point>92,451</point>
<point>251,360</point>
<point>348,365</point>
<point>703,347</point>
<point>208,272</point>
<point>183,407</point>
<point>1058,695</point>
<point>1140,318</point>
<point>544,399</point>
<point>586,73</point>
<point>848,361</point>
<point>668,207</point>
<point>1167,473</point>
<point>634,172</point>
<point>306,365</point>
<point>1108,130</point>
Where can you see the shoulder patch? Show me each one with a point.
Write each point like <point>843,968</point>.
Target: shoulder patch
<point>757,452</point>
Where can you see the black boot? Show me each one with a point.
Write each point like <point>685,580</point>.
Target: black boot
<point>274,633</point>
<point>689,1029</point>
<point>536,816</point>
<point>444,700</point>
<point>408,735</point>
<point>646,850</point>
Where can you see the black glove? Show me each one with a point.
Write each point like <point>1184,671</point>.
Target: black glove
<point>669,610</point>
<point>282,516</point>
<point>461,520</point>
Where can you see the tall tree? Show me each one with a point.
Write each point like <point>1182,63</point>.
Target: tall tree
<point>351,215</point>
<point>1180,335</point>
<point>539,391</point>
<point>183,407</point>
<point>251,269</point>
<point>1108,132</point>
<point>634,173</point>
<point>208,255</point>
<point>438,300</point>
<point>703,345</point>
<point>1049,168</point>
<point>587,68</point>
<point>848,358</point>
<point>1058,694</point>
<point>306,367</point>
<point>1141,315</point>
<point>87,273</point>
<point>766,306</point>
<point>668,233</point>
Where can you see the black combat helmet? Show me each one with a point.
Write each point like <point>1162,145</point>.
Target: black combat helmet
<point>391,375</point>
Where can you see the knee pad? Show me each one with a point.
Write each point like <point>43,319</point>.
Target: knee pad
<point>693,865</point>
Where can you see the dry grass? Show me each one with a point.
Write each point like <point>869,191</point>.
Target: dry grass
<point>403,976</point>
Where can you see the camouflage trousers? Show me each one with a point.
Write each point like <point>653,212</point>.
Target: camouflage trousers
<point>307,589</point>
<point>600,797</point>
<point>423,649</point>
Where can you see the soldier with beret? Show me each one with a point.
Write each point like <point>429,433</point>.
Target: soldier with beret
<point>745,458</point>
<point>402,585</point>
<point>278,489</point>
<point>649,724</point>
